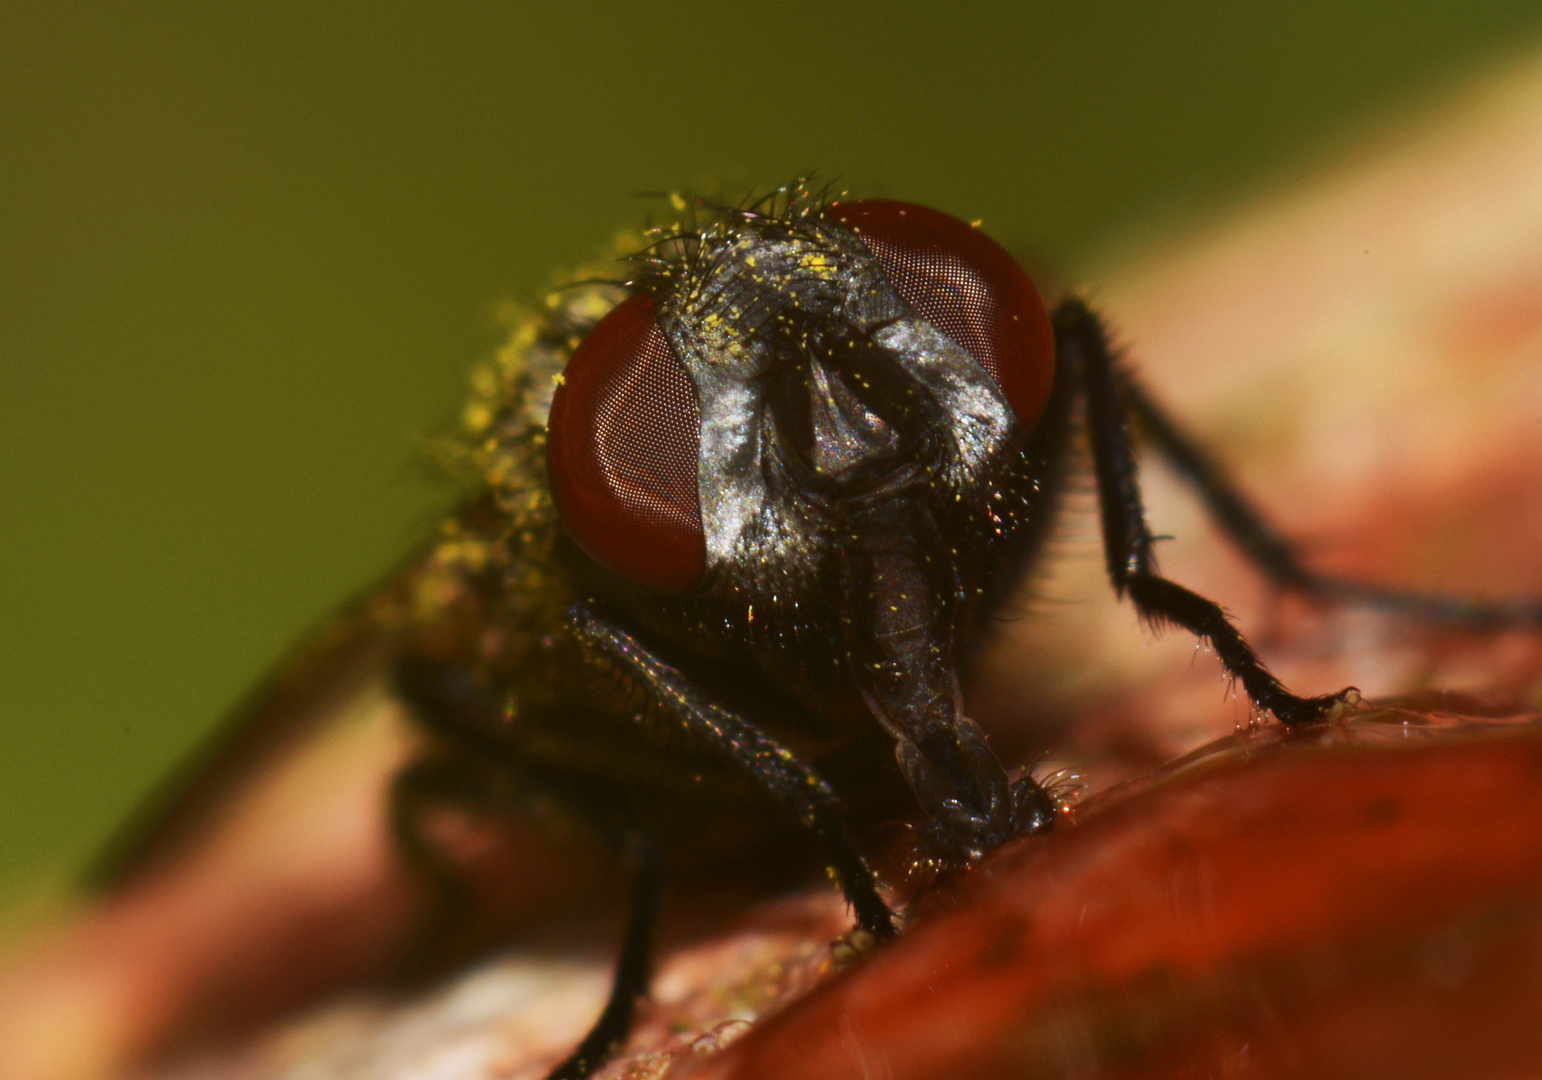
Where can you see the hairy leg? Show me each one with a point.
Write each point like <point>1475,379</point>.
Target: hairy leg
<point>1276,557</point>
<point>1085,354</point>
<point>789,782</point>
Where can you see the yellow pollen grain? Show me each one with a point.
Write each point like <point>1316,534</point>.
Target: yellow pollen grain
<point>477,417</point>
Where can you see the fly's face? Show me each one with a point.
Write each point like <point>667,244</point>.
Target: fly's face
<point>820,392</point>
<point>805,420</point>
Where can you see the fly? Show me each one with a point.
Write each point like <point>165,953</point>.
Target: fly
<point>735,525</point>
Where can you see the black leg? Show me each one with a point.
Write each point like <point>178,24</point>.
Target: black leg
<point>1277,558</point>
<point>1084,352</point>
<point>629,984</point>
<point>795,786</point>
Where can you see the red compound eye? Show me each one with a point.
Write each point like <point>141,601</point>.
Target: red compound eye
<point>963,283</point>
<point>621,452</point>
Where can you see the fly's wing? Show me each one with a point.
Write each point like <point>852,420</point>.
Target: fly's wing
<point>340,672</point>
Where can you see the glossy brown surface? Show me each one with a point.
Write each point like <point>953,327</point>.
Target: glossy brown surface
<point>1365,901</point>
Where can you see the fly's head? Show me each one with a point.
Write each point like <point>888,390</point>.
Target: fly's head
<point>805,416</point>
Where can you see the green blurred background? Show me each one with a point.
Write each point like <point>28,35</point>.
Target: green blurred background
<point>249,255</point>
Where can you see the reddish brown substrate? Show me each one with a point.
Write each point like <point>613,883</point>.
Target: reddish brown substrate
<point>1361,902</point>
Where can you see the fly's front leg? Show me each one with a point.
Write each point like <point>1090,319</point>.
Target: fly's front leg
<point>1083,350</point>
<point>795,786</point>
<point>1277,557</point>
